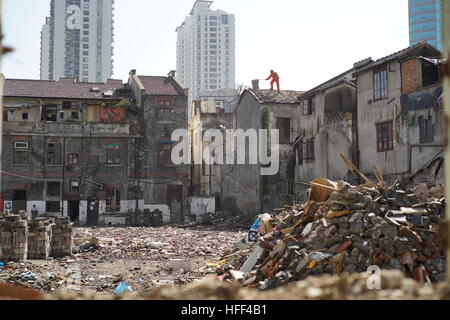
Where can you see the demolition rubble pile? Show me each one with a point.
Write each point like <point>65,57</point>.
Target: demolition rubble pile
<point>347,229</point>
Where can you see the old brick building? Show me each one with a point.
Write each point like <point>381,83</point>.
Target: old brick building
<point>164,105</point>
<point>69,148</point>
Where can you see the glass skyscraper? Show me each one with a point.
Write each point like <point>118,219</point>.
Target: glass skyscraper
<point>425,22</point>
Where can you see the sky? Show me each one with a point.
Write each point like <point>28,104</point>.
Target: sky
<point>306,41</point>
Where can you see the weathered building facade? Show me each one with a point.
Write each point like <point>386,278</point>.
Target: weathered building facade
<point>69,148</point>
<point>164,109</point>
<point>400,116</point>
<point>327,127</point>
<point>243,189</point>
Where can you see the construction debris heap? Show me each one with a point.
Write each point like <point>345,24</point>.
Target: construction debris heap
<point>347,229</point>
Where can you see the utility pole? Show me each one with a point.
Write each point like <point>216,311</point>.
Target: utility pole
<point>446,40</point>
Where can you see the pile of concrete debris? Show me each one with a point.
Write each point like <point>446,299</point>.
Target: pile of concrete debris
<point>347,229</point>
<point>393,286</point>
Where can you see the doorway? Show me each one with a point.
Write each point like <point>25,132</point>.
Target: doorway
<point>74,211</point>
<point>92,212</point>
<point>19,201</point>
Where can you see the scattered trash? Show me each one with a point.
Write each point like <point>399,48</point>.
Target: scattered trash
<point>28,276</point>
<point>121,288</point>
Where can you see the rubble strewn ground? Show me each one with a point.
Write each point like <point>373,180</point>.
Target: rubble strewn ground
<point>344,228</point>
<point>141,257</point>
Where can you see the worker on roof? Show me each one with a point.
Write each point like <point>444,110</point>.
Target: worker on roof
<point>275,79</point>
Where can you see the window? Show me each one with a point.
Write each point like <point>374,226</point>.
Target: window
<point>164,102</point>
<point>54,153</point>
<point>310,150</point>
<point>306,151</point>
<point>164,154</point>
<point>113,156</point>
<point>20,153</point>
<point>309,106</point>
<point>385,140</point>
<point>52,206</point>
<point>380,84</point>
<point>284,127</point>
<point>74,115</point>
<point>49,113</point>
<point>75,186</point>
<point>112,200</point>
<point>164,114</point>
<point>426,130</point>
<point>72,159</point>
<point>53,189</point>
<point>25,116</point>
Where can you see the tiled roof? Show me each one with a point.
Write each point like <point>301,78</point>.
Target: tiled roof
<point>416,49</point>
<point>65,89</point>
<point>345,77</point>
<point>273,96</point>
<point>161,86</point>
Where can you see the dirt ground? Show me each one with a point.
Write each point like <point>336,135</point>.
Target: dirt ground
<point>143,258</point>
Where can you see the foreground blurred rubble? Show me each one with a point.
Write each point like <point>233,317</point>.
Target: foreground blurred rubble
<point>346,229</point>
<point>394,286</point>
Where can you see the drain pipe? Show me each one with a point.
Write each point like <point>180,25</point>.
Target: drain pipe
<point>446,40</point>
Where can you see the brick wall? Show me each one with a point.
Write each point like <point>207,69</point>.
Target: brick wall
<point>409,76</point>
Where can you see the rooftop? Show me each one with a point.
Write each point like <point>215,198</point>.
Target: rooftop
<point>422,48</point>
<point>273,96</point>
<point>66,88</point>
<point>164,86</point>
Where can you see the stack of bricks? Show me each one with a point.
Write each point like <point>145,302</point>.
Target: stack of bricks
<point>62,237</point>
<point>39,239</point>
<point>13,238</point>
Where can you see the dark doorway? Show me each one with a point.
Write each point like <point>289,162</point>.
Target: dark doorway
<point>19,200</point>
<point>92,213</point>
<point>175,202</point>
<point>74,211</point>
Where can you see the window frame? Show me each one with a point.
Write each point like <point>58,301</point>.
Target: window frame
<point>385,136</point>
<point>380,85</point>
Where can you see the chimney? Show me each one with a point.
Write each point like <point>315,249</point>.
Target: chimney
<point>255,84</point>
<point>132,72</point>
<point>172,74</point>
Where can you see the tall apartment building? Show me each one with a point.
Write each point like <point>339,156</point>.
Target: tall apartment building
<point>425,22</point>
<point>77,40</point>
<point>206,50</point>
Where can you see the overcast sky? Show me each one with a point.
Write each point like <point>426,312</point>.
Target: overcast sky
<point>305,41</point>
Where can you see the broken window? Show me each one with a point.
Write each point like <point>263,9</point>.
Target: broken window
<point>164,154</point>
<point>49,113</point>
<point>112,200</point>
<point>67,104</point>
<point>385,140</point>
<point>72,159</point>
<point>20,153</point>
<point>309,106</point>
<point>426,130</point>
<point>25,116</point>
<point>75,186</point>
<point>113,155</point>
<point>52,206</point>
<point>284,127</point>
<point>74,115</point>
<point>380,84</point>
<point>430,74</point>
<point>53,189</point>
<point>54,153</point>
<point>164,114</point>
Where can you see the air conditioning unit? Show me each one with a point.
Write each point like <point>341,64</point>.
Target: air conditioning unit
<point>20,145</point>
